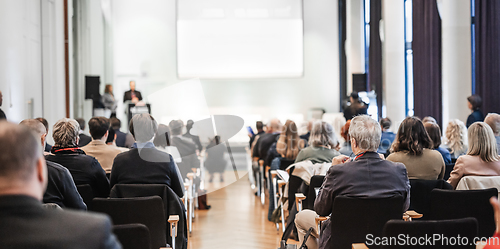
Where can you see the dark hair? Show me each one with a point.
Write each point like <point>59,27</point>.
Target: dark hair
<point>44,122</point>
<point>162,138</point>
<point>189,125</point>
<point>81,122</point>
<point>434,133</point>
<point>98,126</point>
<point>412,137</point>
<point>385,123</point>
<point>476,101</point>
<point>176,127</point>
<point>143,127</point>
<point>115,123</point>
<point>354,95</point>
<point>111,135</point>
<point>20,152</point>
<point>259,125</point>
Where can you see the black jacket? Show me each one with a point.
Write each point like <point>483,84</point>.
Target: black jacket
<point>128,95</point>
<point>264,143</point>
<point>84,140</point>
<point>26,224</point>
<point>61,189</point>
<point>196,140</point>
<point>475,116</point>
<point>146,166</point>
<point>187,149</point>
<point>84,169</point>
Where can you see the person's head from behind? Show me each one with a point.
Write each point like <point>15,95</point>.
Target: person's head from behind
<point>108,89</point>
<point>1,98</point>
<point>275,126</point>
<point>365,133</point>
<point>132,85</point>
<point>260,126</point>
<point>81,123</point>
<point>22,166</point>
<point>111,136</point>
<point>176,127</point>
<point>493,120</point>
<point>45,123</point>
<point>434,133</point>
<point>354,97</point>
<point>37,128</point>
<point>456,136</point>
<point>162,138</point>
<point>344,131</point>
<point>412,137</point>
<point>115,123</point>
<point>65,133</point>
<point>288,142</point>
<point>482,142</point>
<point>189,125</point>
<point>429,119</point>
<point>474,102</point>
<point>385,124</point>
<point>98,128</point>
<point>323,135</point>
<point>143,127</point>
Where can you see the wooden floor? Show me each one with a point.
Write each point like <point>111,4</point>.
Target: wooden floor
<point>236,220</point>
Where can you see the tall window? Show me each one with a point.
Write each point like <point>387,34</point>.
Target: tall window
<point>409,57</point>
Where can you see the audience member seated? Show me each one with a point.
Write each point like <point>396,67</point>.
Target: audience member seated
<point>98,127</point>
<point>84,139</point>
<point>413,147</point>
<point>196,139</point>
<point>429,119</point>
<point>356,107</point>
<point>215,161</point>
<point>46,124</point>
<point>122,139</point>
<point>323,144</point>
<point>25,223</point>
<point>61,189</point>
<point>387,136</point>
<point>111,140</point>
<point>84,169</point>
<point>260,130</point>
<point>266,140</point>
<point>344,133</point>
<point>435,135</point>
<point>162,142</point>
<point>366,176</point>
<point>456,138</point>
<point>186,148</point>
<point>482,158</point>
<point>493,120</point>
<point>144,164</point>
<point>474,103</point>
<point>306,136</point>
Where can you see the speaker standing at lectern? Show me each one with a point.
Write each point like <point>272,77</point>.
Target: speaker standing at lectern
<point>132,95</point>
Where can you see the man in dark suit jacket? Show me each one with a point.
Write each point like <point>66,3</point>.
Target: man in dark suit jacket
<point>24,222</point>
<point>83,139</point>
<point>61,189</point>
<point>186,148</point>
<point>366,176</point>
<point>132,94</point>
<point>122,139</point>
<point>144,164</point>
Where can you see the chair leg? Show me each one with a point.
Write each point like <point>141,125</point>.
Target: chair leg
<point>262,187</point>
<point>280,185</point>
<point>173,219</point>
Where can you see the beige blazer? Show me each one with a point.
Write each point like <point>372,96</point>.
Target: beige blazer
<point>104,153</point>
<point>472,166</point>
<point>428,166</point>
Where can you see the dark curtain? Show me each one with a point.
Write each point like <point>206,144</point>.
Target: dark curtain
<point>427,60</point>
<point>487,22</point>
<point>375,53</point>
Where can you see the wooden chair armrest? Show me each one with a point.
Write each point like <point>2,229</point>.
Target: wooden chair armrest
<point>255,159</point>
<point>300,196</point>
<point>413,215</point>
<point>359,246</point>
<point>173,219</point>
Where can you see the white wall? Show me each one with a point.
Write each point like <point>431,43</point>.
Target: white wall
<point>32,59</point>
<point>144,44</point>
<point>456,52</point>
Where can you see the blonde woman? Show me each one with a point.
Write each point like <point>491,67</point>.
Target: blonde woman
<point>456,138</point>
<point>482,158</point>
<point>289,143</point>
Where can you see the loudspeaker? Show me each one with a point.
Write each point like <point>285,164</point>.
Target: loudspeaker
<point>92,87</point>
<point>359,82</point>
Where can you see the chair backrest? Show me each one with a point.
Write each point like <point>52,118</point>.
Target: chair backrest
<point>447,171</point>
<point>144,210</point>
<point>455,204</point>
<point>479,182</point>
<point>447,230</point>
<point>285,162</point>
<point>316,182</point>
<point>86,193</point>
<point>354,218</point>
<point>133,236</point>
<point>420,194</point>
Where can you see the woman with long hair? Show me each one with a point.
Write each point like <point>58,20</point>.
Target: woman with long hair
<point>289,143</point>
<point>482,158</point>
<point>435,134</point>
<point>414,148</point>
<point>108,99</point>
<point>456,138</point>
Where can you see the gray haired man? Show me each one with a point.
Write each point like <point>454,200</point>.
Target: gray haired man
<point>367,175</point>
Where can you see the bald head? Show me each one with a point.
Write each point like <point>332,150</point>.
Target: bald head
<point>22,167</point>
<point>36,127</point>
<point>275,125</point>
<point>493,120</point>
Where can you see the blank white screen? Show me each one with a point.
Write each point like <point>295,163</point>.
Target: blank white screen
<point>240,39</point>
